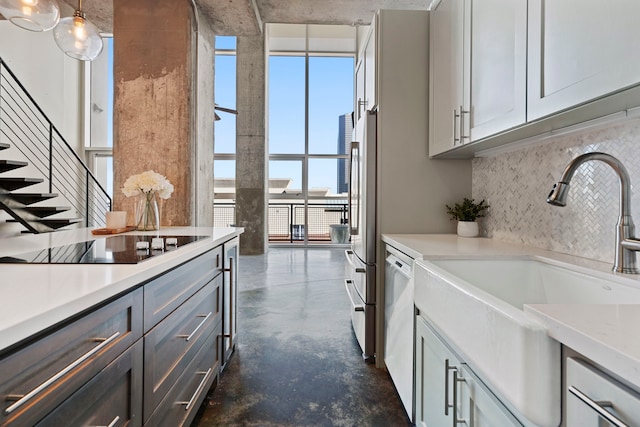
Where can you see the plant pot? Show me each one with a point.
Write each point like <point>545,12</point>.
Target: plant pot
<point>468,229</point>
<point>339,233</point>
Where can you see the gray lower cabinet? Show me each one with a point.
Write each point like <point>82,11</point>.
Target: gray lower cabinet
<point>172,344</point>
<point>37,378</point>
<point>447,390</point>
<point>180,404</point>
<point>111,398</point>
<point>148,357</point>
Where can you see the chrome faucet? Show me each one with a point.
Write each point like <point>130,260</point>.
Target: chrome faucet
<point>626,243</point>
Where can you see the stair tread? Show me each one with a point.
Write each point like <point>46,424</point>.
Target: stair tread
<point>7,165</point>
<point>15,183</point>
<point>45,211</point>
<point>48,208</point>
<point>31,198</point>
<point>4,145</point>
<point>13,162</point>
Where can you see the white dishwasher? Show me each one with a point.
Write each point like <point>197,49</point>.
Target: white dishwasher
<point>398,324</point>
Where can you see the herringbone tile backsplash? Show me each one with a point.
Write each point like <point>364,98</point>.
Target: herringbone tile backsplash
<point>516,185</point>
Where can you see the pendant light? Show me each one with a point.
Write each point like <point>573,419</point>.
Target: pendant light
<point>77,37</point>
<point>32,15</point>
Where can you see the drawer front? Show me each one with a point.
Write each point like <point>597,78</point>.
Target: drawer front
<point>37,378</point>
<point>594,399</point>
<point>112,398</point>
<point>170,346</point>
<point>184,399</point>
<point>167,292</point>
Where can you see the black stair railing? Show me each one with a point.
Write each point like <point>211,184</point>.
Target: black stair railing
<point>26,127</point>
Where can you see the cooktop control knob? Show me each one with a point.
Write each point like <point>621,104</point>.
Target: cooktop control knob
<point>157,243</point>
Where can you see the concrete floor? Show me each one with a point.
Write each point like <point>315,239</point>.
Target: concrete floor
<point>297,362</point>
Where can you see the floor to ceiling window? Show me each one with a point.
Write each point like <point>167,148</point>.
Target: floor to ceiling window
<point>310,101</point>
<point>224,163</point>
<point>99,111</point>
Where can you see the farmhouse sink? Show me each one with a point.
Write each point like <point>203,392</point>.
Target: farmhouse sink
<point>478,305</point>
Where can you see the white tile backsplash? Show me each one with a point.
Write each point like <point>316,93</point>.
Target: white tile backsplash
<point>516,185</point>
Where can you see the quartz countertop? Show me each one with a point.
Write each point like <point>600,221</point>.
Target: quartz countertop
<point>38,296</point>
<point>608,334</point>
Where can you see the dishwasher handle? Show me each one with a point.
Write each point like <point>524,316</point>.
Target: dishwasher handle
<point>393,262</point>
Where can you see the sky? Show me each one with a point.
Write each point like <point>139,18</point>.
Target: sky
<point>330,96</point>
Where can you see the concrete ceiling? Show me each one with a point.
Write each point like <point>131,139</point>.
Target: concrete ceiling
<point>245,17</point>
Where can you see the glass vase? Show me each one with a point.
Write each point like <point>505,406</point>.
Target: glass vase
<point>147,212</point>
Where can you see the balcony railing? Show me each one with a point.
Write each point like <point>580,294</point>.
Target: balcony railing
<point>287,220</point>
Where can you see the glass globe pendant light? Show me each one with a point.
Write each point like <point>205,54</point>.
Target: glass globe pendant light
<point>77,37</point>
<point>32,15</point>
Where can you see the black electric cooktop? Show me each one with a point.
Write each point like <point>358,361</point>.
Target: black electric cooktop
<point>123,249</point>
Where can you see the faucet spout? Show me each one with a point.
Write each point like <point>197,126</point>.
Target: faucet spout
<point>626,244</point>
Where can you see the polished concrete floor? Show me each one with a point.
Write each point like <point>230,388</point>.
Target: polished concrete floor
<point>297,362</point>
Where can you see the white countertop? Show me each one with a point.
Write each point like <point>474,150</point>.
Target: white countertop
<point>37,296</point>
<point>607,334</point>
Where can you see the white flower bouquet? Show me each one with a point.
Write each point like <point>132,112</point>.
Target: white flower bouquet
<point>146,186</point>
<point>148,182</point>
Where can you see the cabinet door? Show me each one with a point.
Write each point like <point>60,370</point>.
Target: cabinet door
<point>495,73</point>
<point>480,408</point>
<point>594,400</point>
<point>171,345</point>
<point>370,68</point>
<point>579,50</point>
<point>435,370</point>
<point>111,398</point>
<point>445,75</point>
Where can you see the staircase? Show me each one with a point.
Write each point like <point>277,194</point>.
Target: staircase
<point>33,154</point>
<point>20,205</point>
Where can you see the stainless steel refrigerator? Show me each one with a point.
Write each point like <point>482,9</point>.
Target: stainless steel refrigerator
<point>361,278</point>
<point>395,187</point>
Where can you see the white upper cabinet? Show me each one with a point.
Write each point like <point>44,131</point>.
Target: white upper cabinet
<point>445,75</point>
<point>580,50</point>
<point>366,74</point>
<point>497,51</point>
<point>477,70</point>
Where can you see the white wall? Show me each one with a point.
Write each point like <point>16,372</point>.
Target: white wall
<point>51,78</point>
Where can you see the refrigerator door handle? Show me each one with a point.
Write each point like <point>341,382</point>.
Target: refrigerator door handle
<point>354,182</point>
<point>349,253</point>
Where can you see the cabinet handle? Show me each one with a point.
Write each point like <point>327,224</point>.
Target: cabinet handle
<point>598,407</point>
<point>456,380</point>
<point>187,405</point>
<point>188,337</point>
<point>22,399</point>
<point>447,368</point>
<point>462,135</point>
<point>112,423</point>
<point>455,128</point>
<point>231,301</point>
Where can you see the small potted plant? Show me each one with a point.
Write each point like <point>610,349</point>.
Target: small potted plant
<point>466,213</point>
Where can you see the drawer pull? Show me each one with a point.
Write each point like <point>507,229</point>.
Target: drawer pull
<point>197,392</point>
<point>188,337</point>
<point>113,423</point>
<point>22,399</point>
<point>598,407</point>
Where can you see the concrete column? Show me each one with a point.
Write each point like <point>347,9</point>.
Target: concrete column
<point>156,111</point>
<point>251,152</point>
